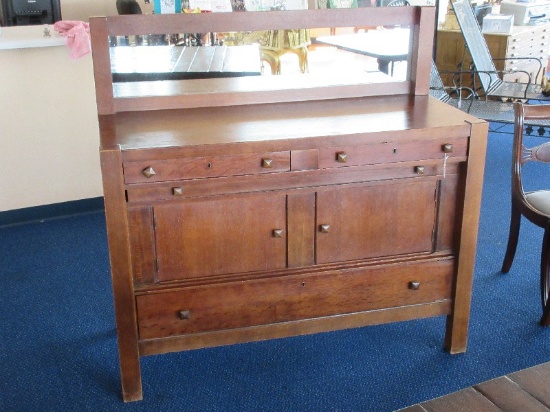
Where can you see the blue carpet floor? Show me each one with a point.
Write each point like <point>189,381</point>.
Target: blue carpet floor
<point>58,344</point>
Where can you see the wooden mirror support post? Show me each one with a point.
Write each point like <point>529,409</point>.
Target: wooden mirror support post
<point>260,207</point>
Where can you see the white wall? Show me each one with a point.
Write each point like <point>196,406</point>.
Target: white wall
<point>49,136</point>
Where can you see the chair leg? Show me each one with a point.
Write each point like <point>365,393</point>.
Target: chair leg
<point>545,278</point>
<point>515,221</point>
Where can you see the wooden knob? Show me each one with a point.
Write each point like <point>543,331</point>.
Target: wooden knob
<point>267,163</point>
<point>341,157</point>
<point>184,314</point>
<point>148,172</point>
<point>447,148</point>
<point>419,170</point>
<point>324,228</point>
<point>177,191</point>
<point>277,232</point>
<point>414,285</point>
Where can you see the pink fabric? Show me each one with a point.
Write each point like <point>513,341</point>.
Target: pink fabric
<point>77,37</point>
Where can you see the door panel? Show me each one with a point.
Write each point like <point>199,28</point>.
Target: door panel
<point>357,222</point>
<point>232,234</point>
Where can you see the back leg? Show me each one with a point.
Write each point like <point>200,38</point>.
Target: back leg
<point>513,236</point>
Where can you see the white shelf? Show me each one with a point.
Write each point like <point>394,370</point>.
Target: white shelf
<point>22,37</point>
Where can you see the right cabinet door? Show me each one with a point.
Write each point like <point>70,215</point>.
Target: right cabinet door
<point>374,220</point>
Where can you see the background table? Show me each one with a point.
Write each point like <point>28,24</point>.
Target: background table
<point>143,63</point>
<point>386,45</point>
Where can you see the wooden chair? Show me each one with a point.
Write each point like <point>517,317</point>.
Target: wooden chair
<point>128,7</point>
<point>398,3</point>
<point>275,43</point>
<point>534,205</point>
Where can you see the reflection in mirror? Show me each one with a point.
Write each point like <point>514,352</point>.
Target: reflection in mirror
<point>377,54</point>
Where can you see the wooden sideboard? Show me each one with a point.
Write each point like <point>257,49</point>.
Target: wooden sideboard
<point>309,211</point>
<point>523,41</point>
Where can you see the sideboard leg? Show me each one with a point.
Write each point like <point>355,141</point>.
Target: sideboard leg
<point>456,337</point>
<point>116,218</point>
<point>130,375</point>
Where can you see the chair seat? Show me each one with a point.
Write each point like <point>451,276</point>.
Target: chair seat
<point>540,200</point>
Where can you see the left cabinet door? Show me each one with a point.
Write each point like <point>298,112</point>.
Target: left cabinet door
<point>220,235</point>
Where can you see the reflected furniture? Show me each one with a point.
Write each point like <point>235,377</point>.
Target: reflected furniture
<point>261,207</point>
<point>144,63</point>
<point>275,43</point>
<point>387,46</point>
<point>533,204</point>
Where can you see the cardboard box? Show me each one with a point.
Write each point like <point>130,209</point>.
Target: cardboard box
<point>498,23</point>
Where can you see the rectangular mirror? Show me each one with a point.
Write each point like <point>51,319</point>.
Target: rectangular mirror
<point>379,54</point>
<point>255,57</point>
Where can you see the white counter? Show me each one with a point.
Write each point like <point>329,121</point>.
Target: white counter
<point>21,37</point>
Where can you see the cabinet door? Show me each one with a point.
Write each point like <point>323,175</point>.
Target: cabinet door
<point>357,222</point>
<point>231,234</point>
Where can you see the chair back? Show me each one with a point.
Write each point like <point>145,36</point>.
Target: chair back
<point>128,7</point>
<point>477,46</point>
<point>525,114</point>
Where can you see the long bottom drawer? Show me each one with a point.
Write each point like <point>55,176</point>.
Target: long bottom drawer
<point>287,298</point>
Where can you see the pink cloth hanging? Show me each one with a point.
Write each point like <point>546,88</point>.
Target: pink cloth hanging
<point>77,37</point>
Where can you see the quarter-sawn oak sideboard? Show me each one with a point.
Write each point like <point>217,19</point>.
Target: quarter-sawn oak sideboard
<point>269,206</point>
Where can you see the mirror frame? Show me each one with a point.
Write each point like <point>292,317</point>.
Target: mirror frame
<point>169,94</point>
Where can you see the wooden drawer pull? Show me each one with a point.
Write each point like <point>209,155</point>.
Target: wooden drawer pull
<point>148,172</point>
<point>341,157</point>
<point>324,228</point>
<point>414,285</point>
<point>177,191</point>
<point>267,163</point>
<point>277,232</point>
<point>184,314</point>
<point>419,170</point>
<point>447,148</point>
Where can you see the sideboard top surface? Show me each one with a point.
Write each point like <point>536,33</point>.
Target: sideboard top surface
<point>277,122</point>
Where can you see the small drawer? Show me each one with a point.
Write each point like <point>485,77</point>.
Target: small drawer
<point>283,299</point>
<point>180,190</point>
<point>392,152</point>
<point>201,167</point>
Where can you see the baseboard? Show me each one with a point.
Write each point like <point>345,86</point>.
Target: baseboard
<point>54,211</point>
